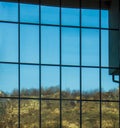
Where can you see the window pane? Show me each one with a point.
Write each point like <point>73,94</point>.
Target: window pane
<point>9,79</point>
<point>29,43</point>
<point>8,42</point>
<point>50,15</point>
<point>8,113</point>
<point>104,47</point>
<point>70,46</point>
<point>110,115</point>
<point>110,89</point>
<point>104,18</point>
<point>92,16</point>
<point>70,16</point>
<point>50,82</point>
<point>29,113</point>
<point>50,114</point>
<point>70,114</point>
<point>70,83</point>
<point>90,47</point>
<point>29,13</point>
<point>90,115</point>
<point>8,11</point>
<point>29,81</point>
<point>90,83</point>
<point>50,45</point>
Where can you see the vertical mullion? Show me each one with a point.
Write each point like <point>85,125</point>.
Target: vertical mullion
<point>40,121</point>
<point>18,63</point>
<point>80,54</point>
<point>60,18</point>
<point>119,65</point>
<point>100,88</point>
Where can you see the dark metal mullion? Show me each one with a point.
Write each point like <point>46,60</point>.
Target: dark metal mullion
<point>119,65</point>
<point>18,63</point>
<point>40,102</point>
<point>100,70</point>
<point>80,54</point>
<point>60,16</point>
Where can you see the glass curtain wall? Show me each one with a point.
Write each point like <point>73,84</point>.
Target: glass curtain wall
<point>54,66</point>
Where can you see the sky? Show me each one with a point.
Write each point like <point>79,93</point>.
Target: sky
<point>50,44</point>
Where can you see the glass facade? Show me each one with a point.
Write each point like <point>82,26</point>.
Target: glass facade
<point>54,67</point>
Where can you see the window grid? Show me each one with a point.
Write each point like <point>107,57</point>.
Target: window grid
<point>60,65</point>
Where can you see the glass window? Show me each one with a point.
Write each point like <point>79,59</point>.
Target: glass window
<point>90,47</point>
<point>8,42</point>
<point>90,18</point>
<point>29,43</point>
<point>29,13</point>
<point>29,78</point>
<point>90,114</point>
<point>50,112</point>
<point>90,83</point>
<point>9,80</point>
<point>70,46</point>
<point>70,83</point>
<point>50,15</point>
<point>8,11</point>
<point>110,89</point>
<point>70,16</point>
<point>104,18</point>
<point>50,82</point>
<point>70,114</point>
<point>29,113</point>
<point>50,45</point>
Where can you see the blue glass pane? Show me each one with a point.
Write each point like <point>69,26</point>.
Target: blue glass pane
<point>49,15</point>
<point>90,18</point>
<point>29,46</point>
<point>90,47</point>
<point>8,42</point>
<point>104,47</point>
<point>70,81</point>
<point>8,78</point>
<point>70,16</point>
<point>50,45</point>
<point>70,46</point>
<point>90,82</point>
<point>50,81</point>
<point>104,19</point>
<point>29,13</point>
<point>29,78</point>
<point>8,11</point>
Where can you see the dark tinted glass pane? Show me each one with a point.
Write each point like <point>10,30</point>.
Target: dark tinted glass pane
<point>29,81</point>
<point>50,82</point>
<point>8,11</point>
<point>70,46</point>
<point>70,114</point>
<point>90,17</point>
<point>29,113</point>
<point>70,16</point>
<point>70,83</point>
<point>90,115</point>
<point>90,83</point>
<point>29,13</point>
<point>90,47</point>
<point>8,42</point>
<point>29,46</point>
<point>8,113</point>
<point>50,15</point>
<point>50,114</point>
<point>50,45</point>
<point>9,80</point>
